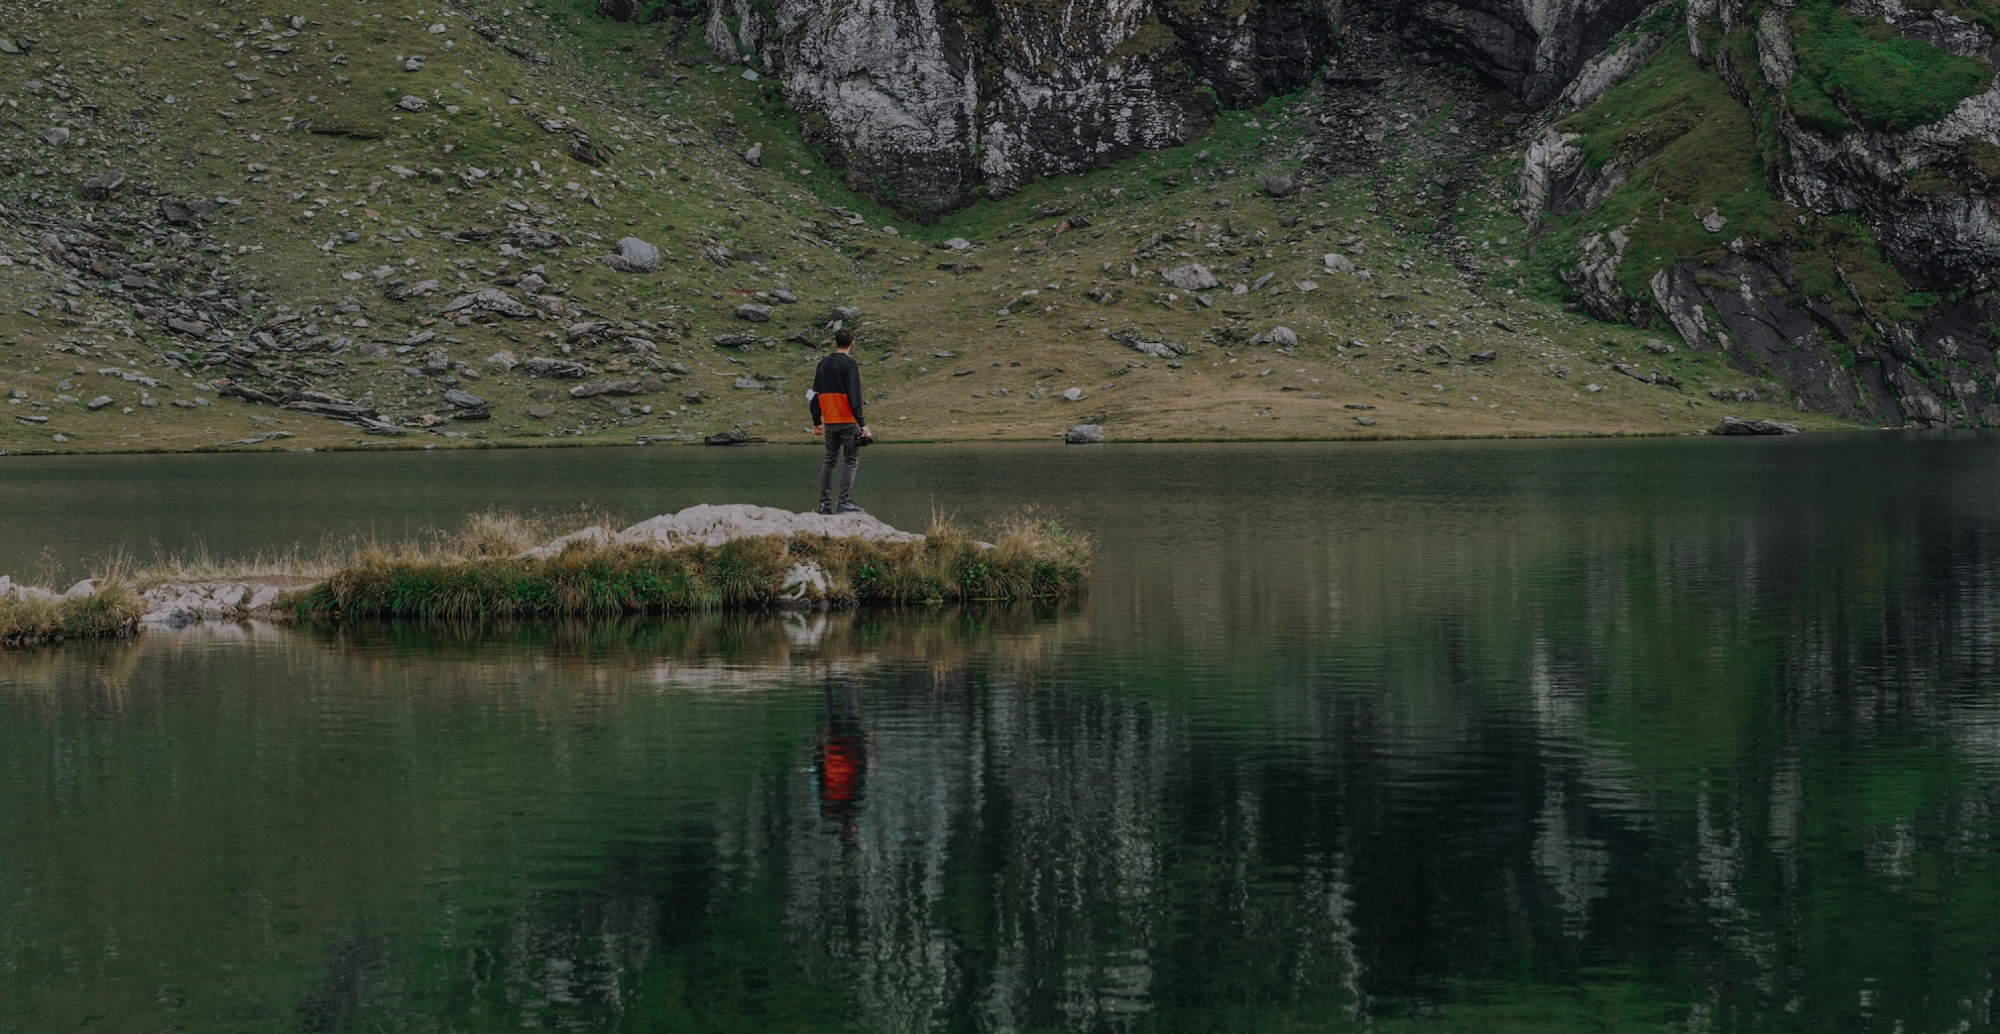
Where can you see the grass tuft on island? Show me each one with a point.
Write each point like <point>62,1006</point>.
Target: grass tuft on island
<point>110,612</point>
<point>476,575</point>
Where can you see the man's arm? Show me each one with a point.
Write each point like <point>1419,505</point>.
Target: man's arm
<point>854,396</point>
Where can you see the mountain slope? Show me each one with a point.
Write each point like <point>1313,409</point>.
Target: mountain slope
<point>268,226</point>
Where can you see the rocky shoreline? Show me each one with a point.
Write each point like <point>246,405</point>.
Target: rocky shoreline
<point>705,557</point>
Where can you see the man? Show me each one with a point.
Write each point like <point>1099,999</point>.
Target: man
<point>835,402</point>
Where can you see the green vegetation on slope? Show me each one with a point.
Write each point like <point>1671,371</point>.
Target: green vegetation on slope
<point>1685,149</point>
<point>572,131</point>
<point>1863,71</point>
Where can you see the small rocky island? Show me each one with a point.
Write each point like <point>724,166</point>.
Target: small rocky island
<point>703,558</point>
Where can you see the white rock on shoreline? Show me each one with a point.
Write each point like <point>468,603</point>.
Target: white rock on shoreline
<point>175,604</point>
<point>707,525</point>
<point>180,604</point>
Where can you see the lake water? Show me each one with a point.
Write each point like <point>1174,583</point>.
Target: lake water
<point>1696,735</point>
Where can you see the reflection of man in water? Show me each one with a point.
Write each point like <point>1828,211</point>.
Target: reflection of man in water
<point>840,763</point>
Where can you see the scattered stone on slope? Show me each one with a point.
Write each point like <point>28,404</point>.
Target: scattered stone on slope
<point>402,292</point>
<point>593,389</point>
<point>102,186</point>
<point>183,213</point>
<point>541,366</point>
<point>489,299</point>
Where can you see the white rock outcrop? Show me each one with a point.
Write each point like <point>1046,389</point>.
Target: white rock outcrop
<point>709,525</point>
<point>171,605</point>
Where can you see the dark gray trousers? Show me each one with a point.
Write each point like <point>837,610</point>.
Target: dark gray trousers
<point>840,439</point>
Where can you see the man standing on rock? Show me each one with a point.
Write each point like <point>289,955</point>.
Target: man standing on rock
<point>835,403</point>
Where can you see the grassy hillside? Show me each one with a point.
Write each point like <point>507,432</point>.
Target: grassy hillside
<point>215,211</point>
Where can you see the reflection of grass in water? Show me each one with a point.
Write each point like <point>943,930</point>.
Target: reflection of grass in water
<point>751,643</point>
<point>473,574</point>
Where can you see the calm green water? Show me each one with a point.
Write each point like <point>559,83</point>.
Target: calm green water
<point>1654,736</point>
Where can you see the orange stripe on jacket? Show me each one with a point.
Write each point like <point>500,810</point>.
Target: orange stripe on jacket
<point>835,409</point>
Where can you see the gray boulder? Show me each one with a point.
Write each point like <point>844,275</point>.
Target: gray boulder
<point>592,389</point>
<point>754,313</point>
<point>182,213</point>
<point>1736,427</point>
<point>544,367</point>
<point>638,255</point>
<point>102,186</point>
<point>490,299</point>
<point>1085,434</point>
<point>1192,277</point>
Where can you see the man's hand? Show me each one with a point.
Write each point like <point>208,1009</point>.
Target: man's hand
<point>866,433</point>
<point>819,430</point>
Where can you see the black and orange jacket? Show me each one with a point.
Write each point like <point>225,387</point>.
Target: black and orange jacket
<point>836,391</point>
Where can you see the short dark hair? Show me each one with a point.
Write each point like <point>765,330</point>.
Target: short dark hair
<point>843,338</point>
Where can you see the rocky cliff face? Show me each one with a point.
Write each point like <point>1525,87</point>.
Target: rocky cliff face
<point>1926,188</point>
<point>1532,47</point>
<point>1851,260</point>
<point>922,101</point>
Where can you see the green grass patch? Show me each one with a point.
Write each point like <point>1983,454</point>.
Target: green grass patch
<point>1030,559</point>
<point>1686,148</point>
<point>1864,70</point>
<point>111,611</point>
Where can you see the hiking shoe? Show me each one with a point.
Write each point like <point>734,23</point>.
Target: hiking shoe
<point>826,508</point>
<point>849,508</point>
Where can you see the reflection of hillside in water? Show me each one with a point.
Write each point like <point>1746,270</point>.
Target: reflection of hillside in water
<point>1676,741</point>
<point>1697,763</point>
